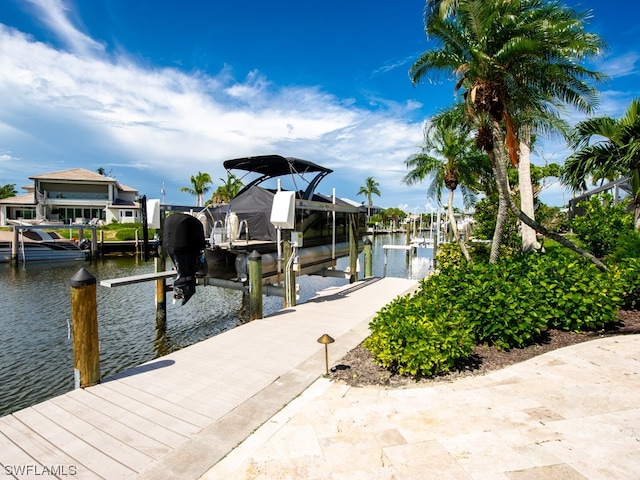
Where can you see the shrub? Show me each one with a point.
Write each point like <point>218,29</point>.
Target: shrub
<point>601,224</point>
<point>627,246</point>
<point>506,305</point>
<point>414,336</point>
<point>627,273</point>
<point>572,294</point>
<point>493,301</point>
<point>449,256</point>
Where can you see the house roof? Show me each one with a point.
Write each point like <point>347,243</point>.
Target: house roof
<point>74,175</point>
<point>81,175</point>
<point>26,199</point>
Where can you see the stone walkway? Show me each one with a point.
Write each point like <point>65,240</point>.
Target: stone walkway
<point>569,414</point>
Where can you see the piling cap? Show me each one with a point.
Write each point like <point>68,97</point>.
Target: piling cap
<point>82,278</point>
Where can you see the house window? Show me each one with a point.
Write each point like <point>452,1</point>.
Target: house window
<point>27,214</point>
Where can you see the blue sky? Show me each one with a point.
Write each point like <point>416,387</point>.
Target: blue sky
<point>155,91</point>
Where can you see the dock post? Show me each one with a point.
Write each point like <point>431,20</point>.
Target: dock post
<point>14,247</point>
<point>353,249</point>
<point>255,286</point>
<point>435,248</point>
<point>101,242</point>
<point>137,237</point>
<point>160,264</point>
<point>368,258</point>
<point>161,295</point>
<point>94,241</point>
<point>289,276</point>
<point>407,242</point>
<point>84,318</point>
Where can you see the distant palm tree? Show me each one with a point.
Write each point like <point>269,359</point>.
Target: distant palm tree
<point>200,184</point>
<point>615,153</point>
<point>229,189</point>
<point>449,156</point>
<point>371,187</point>
<point>8,190</point>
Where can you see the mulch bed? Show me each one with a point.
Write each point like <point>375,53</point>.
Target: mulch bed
<point>357,368</point>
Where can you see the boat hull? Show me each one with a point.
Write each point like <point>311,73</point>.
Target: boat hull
<point>41,252</point>
<point>233,264</point>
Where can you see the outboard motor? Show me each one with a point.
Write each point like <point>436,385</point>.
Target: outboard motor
<point>183,240</point>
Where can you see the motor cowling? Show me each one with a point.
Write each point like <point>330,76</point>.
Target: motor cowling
<point>183,240</point>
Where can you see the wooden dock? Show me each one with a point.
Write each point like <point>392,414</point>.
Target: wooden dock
<point>178,415</point>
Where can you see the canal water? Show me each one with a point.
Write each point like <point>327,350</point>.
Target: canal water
<point>36,349</point>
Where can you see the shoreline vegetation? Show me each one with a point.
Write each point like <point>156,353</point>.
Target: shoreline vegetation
<point>359,369</point>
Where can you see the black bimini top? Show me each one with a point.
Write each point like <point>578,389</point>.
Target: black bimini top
<point>271,166</point>
<point>274,165</point>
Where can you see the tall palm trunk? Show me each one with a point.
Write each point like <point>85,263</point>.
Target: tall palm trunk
<point>454,228</point>
<point>528,234</point>
<point>635,189</point>
<point>498,164</point>
<point>503,189</point>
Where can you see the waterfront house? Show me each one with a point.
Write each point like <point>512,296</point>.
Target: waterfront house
<point>72,196</point>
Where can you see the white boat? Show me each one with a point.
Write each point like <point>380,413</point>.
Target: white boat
<point>38,245</point>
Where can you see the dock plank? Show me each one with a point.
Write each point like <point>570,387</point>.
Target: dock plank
<point>114,428</point>
<point>99,439</point>
<point>12,454</point>
<point>37,447</point>
<point>158,402</point>
<point>85,456</point>
<point>166,420</point>
<point>112,410</point>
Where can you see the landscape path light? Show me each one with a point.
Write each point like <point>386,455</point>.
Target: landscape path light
<point>326,340</point>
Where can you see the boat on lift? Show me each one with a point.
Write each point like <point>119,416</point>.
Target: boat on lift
<point>264,214</point>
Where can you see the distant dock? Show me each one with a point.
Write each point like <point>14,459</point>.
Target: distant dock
<point>178,415</point>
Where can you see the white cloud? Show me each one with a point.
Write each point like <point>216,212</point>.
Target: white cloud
<point>74,109</point>
<point>54,14</point>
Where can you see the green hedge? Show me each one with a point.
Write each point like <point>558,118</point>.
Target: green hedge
<point>507,305</point>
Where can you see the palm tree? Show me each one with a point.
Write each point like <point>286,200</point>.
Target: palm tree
<point>615,153</point>
<point>200,185</point>
<point>450,157</point>
<point>229,189</point>
<point>371,187</point>
<point>512,57</point>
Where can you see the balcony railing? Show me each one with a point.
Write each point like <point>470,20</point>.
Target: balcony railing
<point>77,196</point>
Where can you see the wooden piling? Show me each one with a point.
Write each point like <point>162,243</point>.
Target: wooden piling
<point>407,242</point>
<point>84,318</point>
<point>15,247</point>
<point>255,286</point>
<point>161,295</point>
<point>160,265</point>
<point>353,248</point>
<point>289,276</point>
<point>368,258</point>
<point>94,243</point>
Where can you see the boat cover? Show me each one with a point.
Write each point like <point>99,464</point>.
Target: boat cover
<point>254,206</point>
